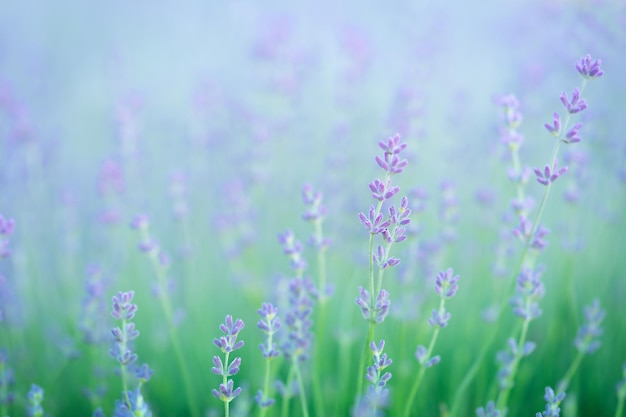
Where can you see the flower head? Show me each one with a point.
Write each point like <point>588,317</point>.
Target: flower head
<point>588,69</point>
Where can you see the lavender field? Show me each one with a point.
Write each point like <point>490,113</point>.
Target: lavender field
<point>284,209</point>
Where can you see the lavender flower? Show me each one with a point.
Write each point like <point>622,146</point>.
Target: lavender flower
<point>35,398</point>
<point>508,359</point>
<point>587,339</point>
<point>293,249</point>
<point>269,325</point>
<point>133,404</point>
<point>379,310</point>
<point>572,134</point>
<point>377,396</point>
<point>489,411</point>
<point>552,403</point>
<point>576,104</point>
<point>135,407</point>
<point>374,223</point>
<point>93,308</point>
<point>124,310</point>
<point>555,127</point>
<point>549,175</point>
<point>7,227</point>
<point>298,319</point>
<point>529,291</point>
<point>227,344</point>
<point>588,69</point>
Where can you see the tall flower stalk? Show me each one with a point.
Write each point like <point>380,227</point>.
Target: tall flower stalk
<point>531,232</point>
<point>269,325</point>
<point>374,302</point>
<point>227,343</point>
<point>446,286</point>
<point>160,262</point>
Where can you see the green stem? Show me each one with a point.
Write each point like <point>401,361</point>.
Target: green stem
<point>266,380</point>
<point>422,371</point>
<point>620,406</point>
<point>285,406</point>
<point>169,318</point>
<point>564,382</point>
<point>503,396</point>
<point>305,411</point>
<point>225,382</point>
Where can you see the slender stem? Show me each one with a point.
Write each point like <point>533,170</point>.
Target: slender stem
<point>285,407</point>
<point>620,406</point>
<point>169,316</point>
<point>305,411</point>
<point>123,366</point>
<point>266,380</point>
<point>564,383</point>
<point>422,371</point>
<point>225,382</point>
<point>503,396</point>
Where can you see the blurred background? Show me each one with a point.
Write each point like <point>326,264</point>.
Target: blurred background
<point>210,116</point>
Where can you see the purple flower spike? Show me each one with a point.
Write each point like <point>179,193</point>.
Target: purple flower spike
<point>377,187</point>
<point>393,145</point>
<point>445,284</point>
<point>555,127</point>
<point>123,309</point>
<point>374,224</point>
<point>439,318</point>
<point>548,176</point>
<point>140,222</point>
<point>228,342</point>
<point>552,403</point>
<point>588,69</point>
<point>588,337</point>
<point>576,104</point>
<point>226,392</point>
<point>572,135</point>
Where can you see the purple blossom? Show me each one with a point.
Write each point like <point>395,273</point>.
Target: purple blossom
<point>313,200</point>
<point>439,318</point>
<point>588,69</point>
<point>298,318</point>
<point>140,222</point>
<point>228,342</point>
<point>381,259</point>
<point>7,226</point>
<point>380,309</point>
<point>555,127</point>
<point>269,324</point>
<point>392,146</point>
<point>588,337</point>
<point>374,222</point>
<point>576,104</point>
<point>136,406</point>
<point>292,248</point>
<point>489,411</point>
<point>506,359</point>
<point>377,396</point>
<point>144,373</point>
<point>529,291</point>
<point>421,354</point>
<point>446,284</point>
<point>35,398</point>
<point>572,134</point>
<point>123,309</point>
<point>549,175</point>
<point>552,403</point>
